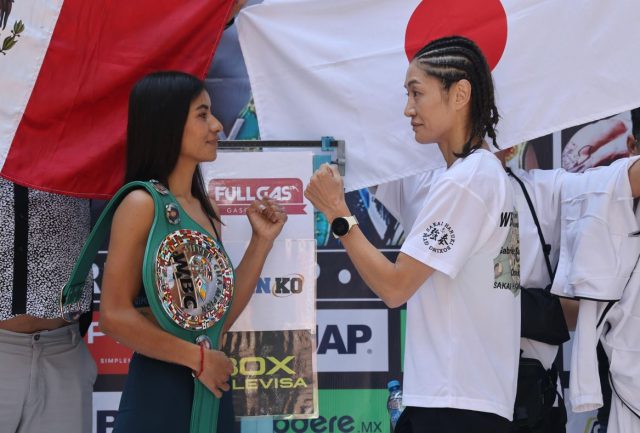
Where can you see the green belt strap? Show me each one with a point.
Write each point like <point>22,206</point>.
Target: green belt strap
<point>204,412</point>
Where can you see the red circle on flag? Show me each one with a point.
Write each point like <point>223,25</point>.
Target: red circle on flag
<point>483,22</point>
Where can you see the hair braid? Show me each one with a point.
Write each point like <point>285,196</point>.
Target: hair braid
<point>452,59</point>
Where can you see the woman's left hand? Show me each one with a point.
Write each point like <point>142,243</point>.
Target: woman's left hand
<point>326,192</point>
<point>266,218</point>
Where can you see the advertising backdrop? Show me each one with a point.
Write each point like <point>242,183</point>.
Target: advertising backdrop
<point>272,344</point>
<point>358,341</point>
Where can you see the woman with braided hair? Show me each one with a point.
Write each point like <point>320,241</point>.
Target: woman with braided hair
<point>458,270</point>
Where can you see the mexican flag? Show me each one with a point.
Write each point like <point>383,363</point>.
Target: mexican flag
<point>66,69</point>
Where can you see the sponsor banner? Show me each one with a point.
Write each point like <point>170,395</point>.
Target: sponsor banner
<point>273,373</point>
<point>353,340</point>
<point>235,179</point>
<point>343,411</point>
<point>339,279</point>
<point>97,269</point>
<point>285,295</point>
<point>105,409</point>
<point>111,357</point>
<point>273,340</point>
<point>234,196</point>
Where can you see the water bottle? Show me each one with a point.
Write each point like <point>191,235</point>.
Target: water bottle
<point>394,402</point>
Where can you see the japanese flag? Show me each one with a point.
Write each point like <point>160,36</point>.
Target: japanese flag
<point>337,67</point>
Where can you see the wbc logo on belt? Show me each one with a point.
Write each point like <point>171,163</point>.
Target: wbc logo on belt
<point>234,196</point>
<point>194,279</point>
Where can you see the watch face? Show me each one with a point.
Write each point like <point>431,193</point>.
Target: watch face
<point>340,226</point>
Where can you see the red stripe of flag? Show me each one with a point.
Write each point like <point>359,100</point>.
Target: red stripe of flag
<point>71,137</point>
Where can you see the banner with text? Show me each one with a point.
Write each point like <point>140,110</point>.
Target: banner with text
<point>273,341</point>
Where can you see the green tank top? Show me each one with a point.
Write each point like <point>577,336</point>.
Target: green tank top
<point>187,276</point>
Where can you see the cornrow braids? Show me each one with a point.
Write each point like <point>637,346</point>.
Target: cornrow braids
<point>452,59</point>
<point>635,123</point>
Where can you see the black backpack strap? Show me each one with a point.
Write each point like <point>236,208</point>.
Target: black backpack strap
<point>546,248</point>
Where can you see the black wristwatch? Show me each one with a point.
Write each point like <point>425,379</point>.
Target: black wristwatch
<point>342,225</point>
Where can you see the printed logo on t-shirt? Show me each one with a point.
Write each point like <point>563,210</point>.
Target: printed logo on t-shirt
<point>506,265</point>
<point>439,237</point>
<point>505,218</point>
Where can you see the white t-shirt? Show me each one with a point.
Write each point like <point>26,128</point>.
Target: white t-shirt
<point>598,263</point>
<point>597,216</point>
<point>405,197</point>
<point>463,323</point>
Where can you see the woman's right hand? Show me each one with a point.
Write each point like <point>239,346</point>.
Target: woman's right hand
<point>217,369</point>
<point>326,192</point>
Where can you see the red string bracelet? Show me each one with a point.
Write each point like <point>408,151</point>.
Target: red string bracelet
<point>197,375</point>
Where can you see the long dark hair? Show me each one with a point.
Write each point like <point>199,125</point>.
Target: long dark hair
<point>635,123</point>
<point>158,108</point>
<point>453,58</point>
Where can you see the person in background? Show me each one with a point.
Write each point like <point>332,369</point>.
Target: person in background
<point>46,370</point>
<point>633,147</point>
<point>539,407</point>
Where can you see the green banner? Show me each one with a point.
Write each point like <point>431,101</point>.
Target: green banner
<point>344,411</point>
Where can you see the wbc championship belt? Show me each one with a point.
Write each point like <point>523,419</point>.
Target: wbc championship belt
<point>187,276</point>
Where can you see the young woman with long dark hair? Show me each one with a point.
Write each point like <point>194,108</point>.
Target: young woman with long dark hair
<point>170,131</point>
